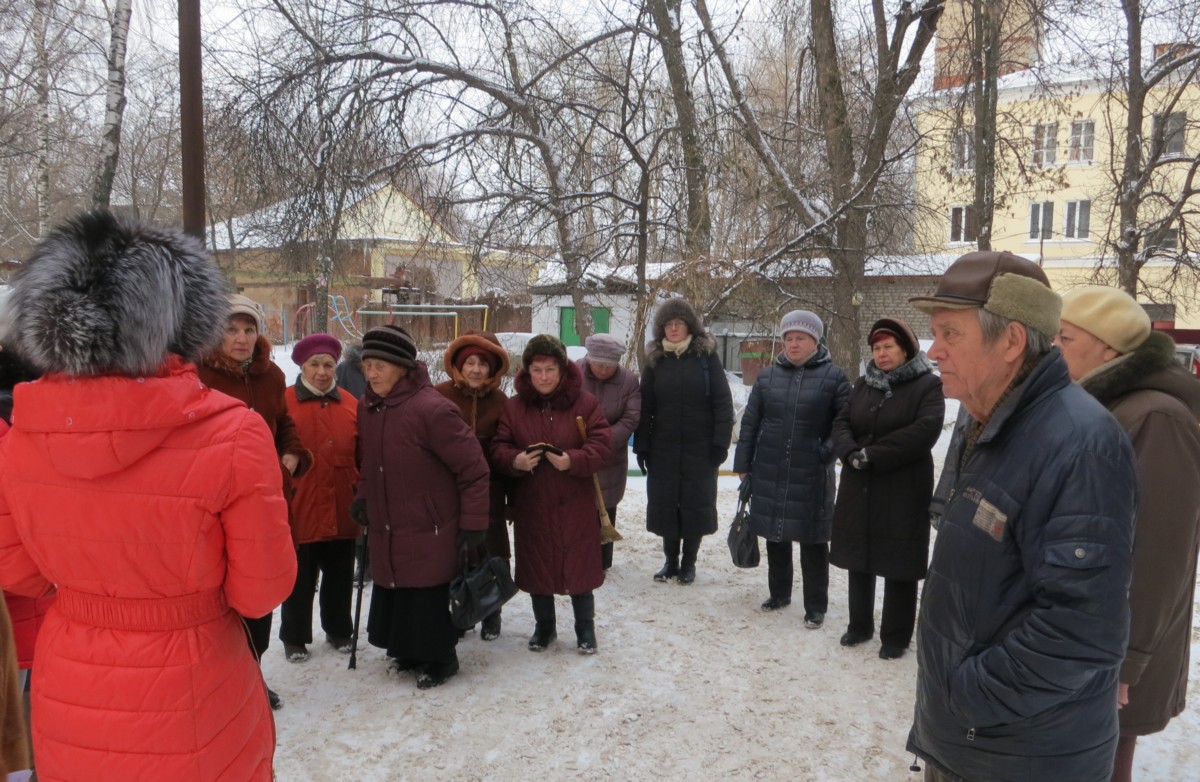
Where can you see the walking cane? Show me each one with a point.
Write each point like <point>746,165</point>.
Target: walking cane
<point>608,533</point>
<point>360,548</point>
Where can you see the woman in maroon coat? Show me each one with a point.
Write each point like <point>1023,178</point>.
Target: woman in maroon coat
<point>557,525</point>
<point>423,495</point>
<point>243,369</point>
<point>477,363</point>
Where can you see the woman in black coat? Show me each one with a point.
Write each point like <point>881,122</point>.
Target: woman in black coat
<point>784,451</point>
<point>884,437</point>
<point>683,435</point>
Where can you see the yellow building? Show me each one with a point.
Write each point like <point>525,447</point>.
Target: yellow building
<point>1060,126</point>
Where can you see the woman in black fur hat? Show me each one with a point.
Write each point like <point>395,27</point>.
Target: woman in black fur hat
<point>683,436</point>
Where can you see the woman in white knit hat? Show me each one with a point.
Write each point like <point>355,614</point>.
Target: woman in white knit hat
<point>784,450</point>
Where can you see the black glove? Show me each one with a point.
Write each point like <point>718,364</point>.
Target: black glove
<point>719,455</point>
<point>358,512</point>
<point>471,538</point>
<point>858,459</point>
<point>641,463</point>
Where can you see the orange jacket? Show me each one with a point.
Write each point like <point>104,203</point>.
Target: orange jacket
<point>328,427</point>
<point>155,505</point>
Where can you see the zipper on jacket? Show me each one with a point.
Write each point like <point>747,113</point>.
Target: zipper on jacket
<point>970,734</point>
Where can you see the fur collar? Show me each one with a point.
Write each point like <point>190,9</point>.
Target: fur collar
<point>1151,365</point>
<point>909,370</point>
<point>703,342</point>
<point>561,398</point>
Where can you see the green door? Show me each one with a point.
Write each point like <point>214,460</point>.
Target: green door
<point>566,320</point>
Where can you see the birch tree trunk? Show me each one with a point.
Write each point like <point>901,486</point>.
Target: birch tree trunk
<point>114,105</point>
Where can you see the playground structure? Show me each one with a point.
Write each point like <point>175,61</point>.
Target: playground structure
<point>349,323</point>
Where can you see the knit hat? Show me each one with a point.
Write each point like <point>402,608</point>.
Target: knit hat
<point>1111,315</point>
<point>244,305</point>
<point>900,331</point>
<point>604,349</point>
<point>802,320</point>
<point>544,345</point>
<point>315,344</point>
<point>392,344</point>
<point>103,294</point>
<point>1001,283</point>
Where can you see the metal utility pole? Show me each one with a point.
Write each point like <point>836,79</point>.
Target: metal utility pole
<point>191,117</point>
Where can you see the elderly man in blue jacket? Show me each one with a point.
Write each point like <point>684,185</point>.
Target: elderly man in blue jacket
<point>1024,617</point>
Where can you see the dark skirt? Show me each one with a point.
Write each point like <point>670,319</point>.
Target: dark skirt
<point>412,623</point>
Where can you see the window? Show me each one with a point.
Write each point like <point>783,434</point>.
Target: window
<point>962,224</point>
<point>1163,239</point>
<point>1078,215</point>
<point>1171,126</point>
<point>1082,146</point>
<point>1045,142</point>
<point>964,150</point>
<point>1041,220</point>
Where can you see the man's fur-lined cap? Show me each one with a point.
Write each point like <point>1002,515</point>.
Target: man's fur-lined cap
<point>1001,283</point>
<point>677,308</point>
<point>107,295</point>
<point>545,345</point>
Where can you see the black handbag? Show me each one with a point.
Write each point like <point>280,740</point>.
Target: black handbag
<point>478,592</point>
<point>743,544</point>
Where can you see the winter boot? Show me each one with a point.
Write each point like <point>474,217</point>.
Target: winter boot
<point>490,629</point>
<point>585,622</point>
<point>437,674</point>
<point>544,632</point>
<point>671,568</point>
<point>295,653</point>
<point>274,700</point>
<point>687,568</point>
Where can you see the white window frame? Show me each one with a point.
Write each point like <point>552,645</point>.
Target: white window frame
<point>1041,220</point>
<point>963,150</point>
<point>1045,144</point>
<point>1077,220</point>
<point>962,222</point>
<point>1174,138</point>
<point>1082,145</point>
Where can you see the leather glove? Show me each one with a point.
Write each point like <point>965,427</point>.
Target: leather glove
<point>641,463</point>
<point>858,459</point>
<point>358,512</point>
<point>471,538</point>
<point>719,455</point>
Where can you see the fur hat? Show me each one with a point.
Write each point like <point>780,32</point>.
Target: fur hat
<point>1111,315</point>
<point>604,349</point>
<point>544,345</point>
<point>802,320</point>
<point>315,344</point>
<point>1001,283</point>
<point>477,343</point>
<point>392,344</point>
<point>898,329</point>
<point>107,295</point>
<point>677,308</point>
<point>244,305</point>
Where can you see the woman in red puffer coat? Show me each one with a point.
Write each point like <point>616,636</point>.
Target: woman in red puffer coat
<point>152,502</point>
<point>556,524</point>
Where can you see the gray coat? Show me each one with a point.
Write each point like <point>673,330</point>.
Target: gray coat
<point>621,401</point>
<point>784,445</point>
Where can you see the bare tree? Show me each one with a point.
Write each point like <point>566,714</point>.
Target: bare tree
<point>114,106</point>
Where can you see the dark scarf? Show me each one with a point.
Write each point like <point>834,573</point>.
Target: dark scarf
<point>909,370</point>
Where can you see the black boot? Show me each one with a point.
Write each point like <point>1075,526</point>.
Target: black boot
<point>585,622</point>
<point>671,568</point>
<point>687,568</point>
<point>437,674</point>
<point>544,631</point>
<point>490,630</point>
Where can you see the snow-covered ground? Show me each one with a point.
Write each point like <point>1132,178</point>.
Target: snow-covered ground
<point>690,682</point>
